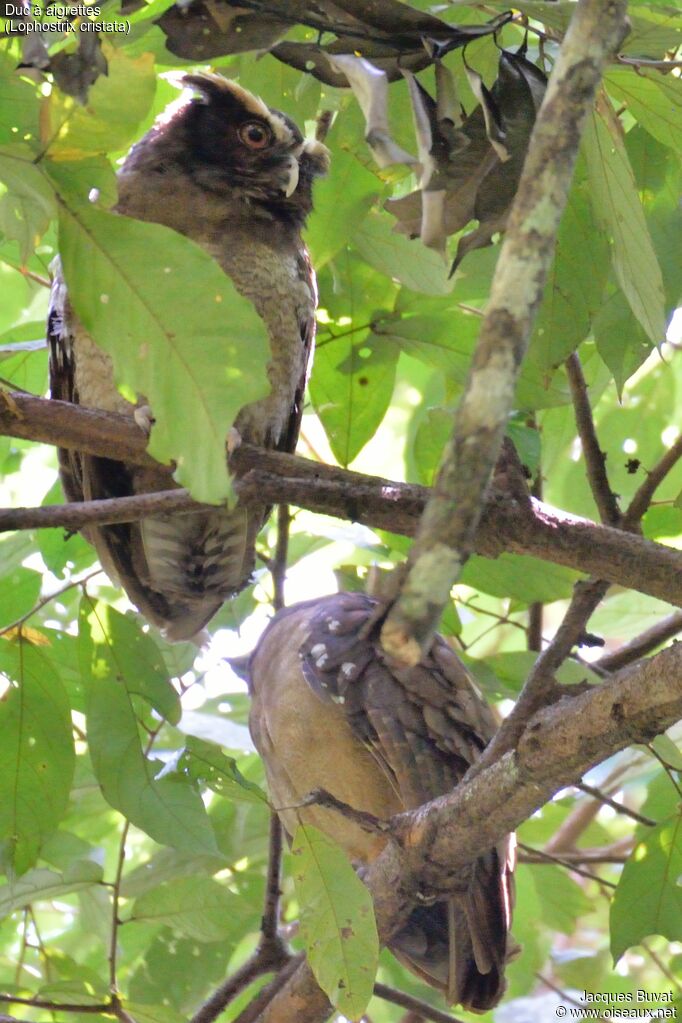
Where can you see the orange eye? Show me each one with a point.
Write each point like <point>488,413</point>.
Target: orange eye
<point>254,134</point>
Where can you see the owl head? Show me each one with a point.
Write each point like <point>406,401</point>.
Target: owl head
<point>234,146</point>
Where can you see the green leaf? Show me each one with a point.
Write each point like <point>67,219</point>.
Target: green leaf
<point>43,885</point>
<point>153,1013</point>
<point>121,651</point>
<point>168,809</point>
<point>117,103</point>
<point>29,204</point>
<point>654,99</point>
<point>621,340</point>
<point>429,441</point>
<point>19,105</point>
<point>512,668</point>
<point>337,921</point>
<point>197,907</point>
<point>174,976</point>
<point>408,261</point>
<point>351,390</point>
<point>618,209</point>
<point>203,762</point>
<point>522,971</point>
<point>21,589</point>
<point>668,751</point>
<point>37,757</point>
<point>519,576</point>
<point>562,900</point>
<point>341,202</point>
<point>648,899</point>
<point>658,173</point>
<point>575,283</point>
<point>177,330</point>
<point>445,340</point>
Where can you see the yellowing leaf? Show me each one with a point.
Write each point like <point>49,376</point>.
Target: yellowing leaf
<point>27,634</point>
<point>117,103</point>
<point>337,921</point>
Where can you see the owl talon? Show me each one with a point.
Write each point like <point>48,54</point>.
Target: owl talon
<point>234,439</point>
<point>144,418</point>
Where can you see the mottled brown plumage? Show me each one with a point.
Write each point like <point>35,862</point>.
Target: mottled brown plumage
<point>234,176</point>
<point>329,711</point>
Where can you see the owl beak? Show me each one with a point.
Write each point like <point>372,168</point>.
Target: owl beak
<point>290,177</point>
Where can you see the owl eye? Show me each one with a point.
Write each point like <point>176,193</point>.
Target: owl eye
<point>255,135</point>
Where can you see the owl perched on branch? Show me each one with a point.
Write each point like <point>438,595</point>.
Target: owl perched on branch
<point>329,711</point>
<point>235,177</point>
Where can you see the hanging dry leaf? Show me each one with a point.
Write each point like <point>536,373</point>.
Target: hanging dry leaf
<point>370,88</point>
<point>462,164</point>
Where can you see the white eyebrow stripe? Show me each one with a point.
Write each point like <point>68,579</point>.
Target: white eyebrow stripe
<point>279,126</point>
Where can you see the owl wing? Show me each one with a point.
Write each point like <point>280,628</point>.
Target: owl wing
<point>178,570</point>
<point>62,382</point>
<point>289,438</point>
<point>424,727</point>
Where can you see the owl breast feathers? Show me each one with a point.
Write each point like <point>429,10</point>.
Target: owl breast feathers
<point>236,177</point>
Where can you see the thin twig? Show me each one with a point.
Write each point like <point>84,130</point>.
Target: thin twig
<point>78,514</point>
<point>589,790</point>
<point>417,1005</point>
<point>241,978</point>
<point>278,565</point>
<point>44,1003</point>
<point>536,611</point>
<point>572,860</point>
<point>642,499</point>
<point>656,959</point>
<point>541,687</point>
<point>655,65</point>
<point>80,581</point>
<point>24,946</point>
<point>271,953</point>
<point>569,999</point>
<point>266,994</point>
<point>270,922</point>
<point>579,819</point>
<point>559,861</point>
<point>595,459</point>
<point>115,922</point>
<point>641,645</point>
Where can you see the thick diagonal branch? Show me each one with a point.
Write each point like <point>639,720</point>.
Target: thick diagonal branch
<point>558,746</point>
<point>448,528</point>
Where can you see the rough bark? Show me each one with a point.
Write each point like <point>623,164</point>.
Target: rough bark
<point>447,531</point>
<point>508,524</point>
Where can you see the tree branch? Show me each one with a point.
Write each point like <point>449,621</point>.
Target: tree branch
<point>520,527</point>
<point>595,459</point>
<point>643,644</point>
<point>541,687</point>
<point>435,842</point>
<point>448,527</point>
<point>642,499</point>
<point>416,1005</point>
<point>271,953</point>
